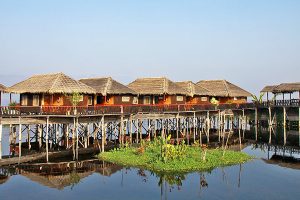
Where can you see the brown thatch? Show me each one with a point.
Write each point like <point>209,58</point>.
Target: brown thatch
<point>156,86</point>
<point>287,88</point>
<point>268,88</point>
<point>223,88</point>
<point>51,83</point>
<point>194,89</point>
<point>107,85</point>
<point>2,88</point>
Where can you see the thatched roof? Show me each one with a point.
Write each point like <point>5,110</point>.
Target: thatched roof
<point>156,86</point>
<point>287,88</point>
<point>2,88</point>
<point>107,85</point>
<point>268,88</point>
<point>51,83</point>
<point>194,89</point>
<point>223,88</point>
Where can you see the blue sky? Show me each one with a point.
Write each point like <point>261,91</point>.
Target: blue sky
<point>250,43</point>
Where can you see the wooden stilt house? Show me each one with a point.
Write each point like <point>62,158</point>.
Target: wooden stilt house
<point>52,90</point>
<point>224,91</point>
<point>161,91</point>
<point>2,90</point>
<point>110,92</point>
<point>268,89</point>
<point>196,94</point>
<point>283,89</point>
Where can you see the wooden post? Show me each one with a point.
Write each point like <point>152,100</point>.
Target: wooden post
<point>136,121</point>
<point>88,135</point>
<point>40,133</point>
<point>270,125</point>
<point>163,128</point>
<point>284,125</point>
<point>141,128</point>
<point>256,124</point>
<point>20,139</point>
<point>77,139</point>
<point>155,127</point>
<point>219,125</point>
<point>194,126</point>
<point>56,134</point>
<point>121,132</point>
<point>0,139</point>
<point>131,129</point>
<point>244,123</point>
<point>28,137</point>
<point>47,132</point>
<point>299,123</point>
<point>103,134</point>
<point>208,126</point>
<point>240,139</point>
<point>73,138</point>
<point>177,128</point>
<point>67,135</point>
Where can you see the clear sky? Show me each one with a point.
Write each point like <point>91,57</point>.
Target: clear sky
<point>248,42</point>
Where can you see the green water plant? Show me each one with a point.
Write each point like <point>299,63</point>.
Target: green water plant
<point>161,156</point>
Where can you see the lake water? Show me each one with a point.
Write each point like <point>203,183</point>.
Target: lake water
<point>261,178</point>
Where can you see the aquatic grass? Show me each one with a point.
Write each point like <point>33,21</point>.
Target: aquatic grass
<point>150,159</point>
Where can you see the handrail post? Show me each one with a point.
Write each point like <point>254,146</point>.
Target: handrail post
<point>122,109</point>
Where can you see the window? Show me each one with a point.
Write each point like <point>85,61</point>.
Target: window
<point>125,99</point>
<point>81,98</point>
<point>24,100</point>
<point>90,100</point>
<point>179,98</point>
<point>203,98</point>
<point>147,100</point>
<point>135,100</point>
<point>35,100</point>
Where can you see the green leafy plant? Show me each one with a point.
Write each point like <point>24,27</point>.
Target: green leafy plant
<point>75,98</point>
<point>12,104</point>
<point>257,99</point>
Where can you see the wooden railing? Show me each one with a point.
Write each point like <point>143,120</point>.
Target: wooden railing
<point>115,109</point>
<point>281,103</point>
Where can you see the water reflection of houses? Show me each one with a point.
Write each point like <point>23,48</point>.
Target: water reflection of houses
<point>64,174</point>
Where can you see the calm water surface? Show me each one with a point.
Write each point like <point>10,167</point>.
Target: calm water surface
<point>258,179</point>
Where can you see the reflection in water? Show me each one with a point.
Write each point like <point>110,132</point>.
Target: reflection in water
<point>64,174</point>
<point>234,182</point>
